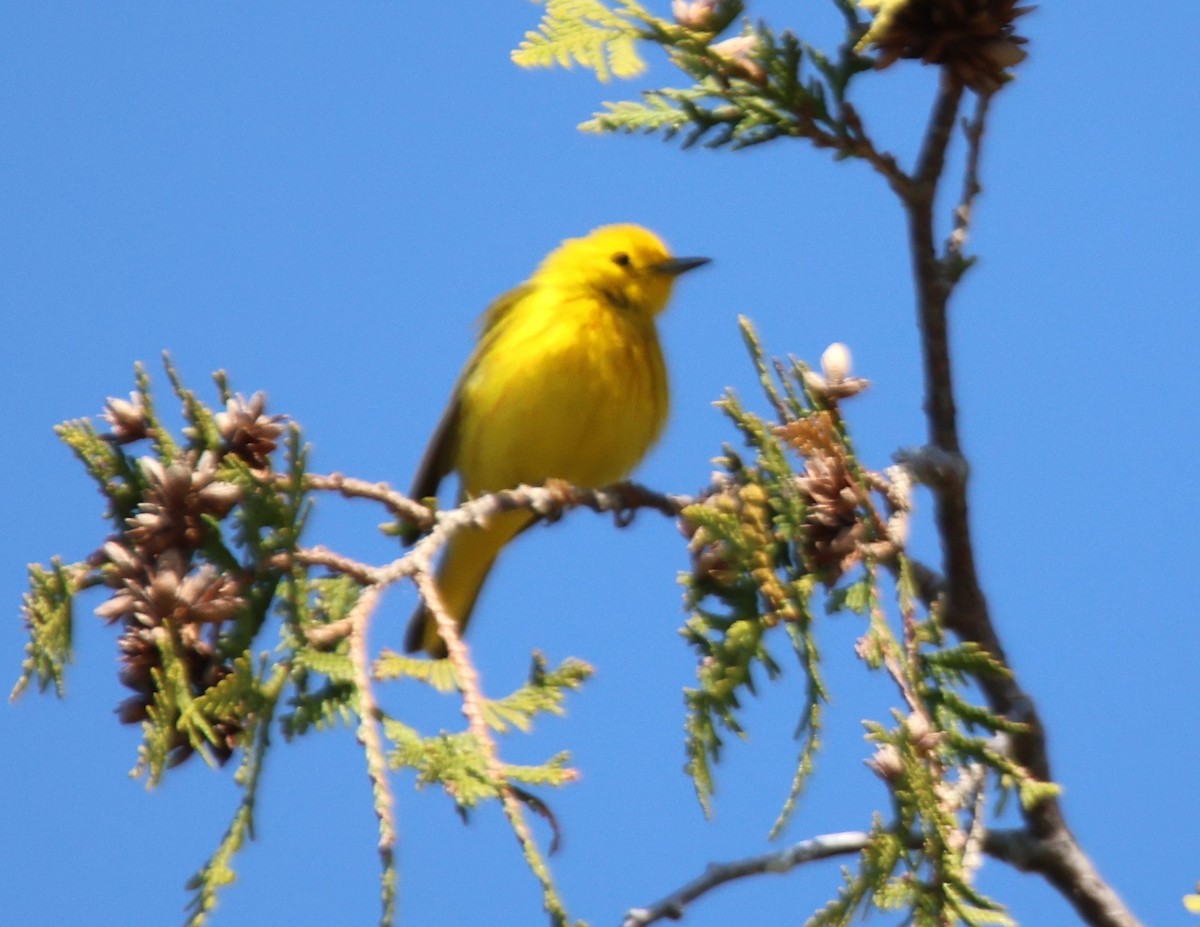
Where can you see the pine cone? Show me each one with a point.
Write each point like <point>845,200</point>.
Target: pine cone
<point>177,497</point>
<point>832,530</point>
<point>127,417</point>
<point>974,39</point>
<point>248,433</point>
<point>168,592</point>
<point>168,604</point>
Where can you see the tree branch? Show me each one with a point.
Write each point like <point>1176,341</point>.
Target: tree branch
<point>1016,847</point>
<point>550,502</point>
<point>859,144</point>
<point>966,612</point>
<point>351,488</point>
<point>623,500</point>
<point>1065,866</point>
<point>823,847</point>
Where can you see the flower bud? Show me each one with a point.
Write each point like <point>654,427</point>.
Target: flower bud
<point>738,55</point>
<point>836,362</point>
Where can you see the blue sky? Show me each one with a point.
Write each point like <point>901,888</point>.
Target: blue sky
<point>321,199</point>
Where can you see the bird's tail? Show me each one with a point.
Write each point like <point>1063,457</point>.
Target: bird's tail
<point>465,565</point>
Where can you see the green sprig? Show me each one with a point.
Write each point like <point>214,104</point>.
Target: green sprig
<point>588,33</point>
<point>49,619</point>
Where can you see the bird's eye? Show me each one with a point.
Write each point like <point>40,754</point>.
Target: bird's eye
<point>621,259</point>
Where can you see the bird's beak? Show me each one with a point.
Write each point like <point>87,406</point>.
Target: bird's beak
<point>675,266</point>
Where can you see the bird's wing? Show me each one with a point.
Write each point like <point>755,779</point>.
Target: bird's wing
<point>438,459</point>
<point>493,319</point>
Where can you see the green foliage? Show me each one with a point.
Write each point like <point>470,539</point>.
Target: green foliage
<point>456,762</point>
<point>876,862</point>
<point>48,615</point>
<point>793,519</point>
<point>320,708</point>
<point>745,91</point>
<point>324,679</point>
<point>333,665</point>
<point>218,872</point>
<point>751,579</point>
<point>436,673</point>
<point>778,87</point>
<point>225,625</point>
<point>459,761</point>
<point>884,13</point>
<point>463,763</point>
<point>543,693</point>
<point>936,761</point>
<point>587,33</point>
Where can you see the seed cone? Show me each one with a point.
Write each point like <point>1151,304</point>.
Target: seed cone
<point>167,604</point>
<point>177,498</point>
<point>248,431</point>
<point>832,528</point>
<point>975,39</point>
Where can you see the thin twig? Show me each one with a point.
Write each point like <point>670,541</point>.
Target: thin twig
<point>823,847</point>
<point>473,701</point>
<point>623,500</point>
<point>859,144</point>
<point>890,648</point>
<point>322,556</point>
<point>550,502</point>
<point>369,736</point>
<point>973,131</point>
<point>351,488</point>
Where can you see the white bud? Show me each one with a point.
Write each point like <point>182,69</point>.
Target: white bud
<point>836,362</point>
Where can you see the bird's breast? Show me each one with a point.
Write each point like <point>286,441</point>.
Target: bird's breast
<point>572,388</point>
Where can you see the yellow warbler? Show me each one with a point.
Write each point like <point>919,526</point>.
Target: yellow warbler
<point>567,382</point>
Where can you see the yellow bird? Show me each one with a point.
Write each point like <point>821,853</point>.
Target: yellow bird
<point>567,382</point>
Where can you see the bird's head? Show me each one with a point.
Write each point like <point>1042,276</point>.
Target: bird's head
<point>626,265</point>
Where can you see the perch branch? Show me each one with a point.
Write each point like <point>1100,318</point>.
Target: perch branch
<point>1013,846</point>
<point>673,905</point>
<point>623,500</point>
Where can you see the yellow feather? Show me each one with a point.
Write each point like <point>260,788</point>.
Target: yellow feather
<point>567,382</point>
